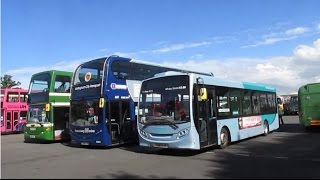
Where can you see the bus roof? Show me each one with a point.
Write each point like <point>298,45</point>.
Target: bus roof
<point>211,80</point>
<point>55,72</point>
<point>240,84</point>
<point>144,62</point>
<point>14,89</point>
<point>315,83</point>
<point>310,87</point>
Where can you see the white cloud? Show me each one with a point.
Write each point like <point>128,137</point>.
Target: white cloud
<point>296,31</point>
<point>309,53</point>
<point>276,37</point>
<point>286,73</point>
<point>197,56</point>
<point>176,47</point>
<point>170,48</point>
<point>269,41</point>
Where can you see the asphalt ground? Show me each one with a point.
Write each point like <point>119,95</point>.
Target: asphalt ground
<point>290,152</point>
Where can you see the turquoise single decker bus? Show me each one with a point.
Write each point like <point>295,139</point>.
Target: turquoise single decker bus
<point>194,111</point>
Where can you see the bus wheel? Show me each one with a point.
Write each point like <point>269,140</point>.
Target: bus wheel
<point>265,128</point>
<point>224,138</point>
<point>308,128</point>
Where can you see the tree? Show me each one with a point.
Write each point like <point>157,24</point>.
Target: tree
<point>7,82</point>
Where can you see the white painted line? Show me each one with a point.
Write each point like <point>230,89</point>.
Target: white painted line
<point>210,152</point>
<point>280,157</point>
<point>242,154</point>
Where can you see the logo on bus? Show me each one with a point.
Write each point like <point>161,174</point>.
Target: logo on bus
<point>85,130</point>
<point>248,122</point>
<point>118,86</point>
<point>16,106</point>
<point>87,76</point>
<point>88,86</point>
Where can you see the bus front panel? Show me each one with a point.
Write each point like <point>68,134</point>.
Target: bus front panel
<point>39,127</point>
<point>87,126</point>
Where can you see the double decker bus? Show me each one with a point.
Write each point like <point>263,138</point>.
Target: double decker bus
<point>104,98</point>
<point>49,102</point>
<point>309,105</point>
<point>14,109</point>
<point>192,111</point>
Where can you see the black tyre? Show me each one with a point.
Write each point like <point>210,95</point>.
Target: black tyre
<point>224,138</point>
<point>265,128</point>
<point>308,128</point>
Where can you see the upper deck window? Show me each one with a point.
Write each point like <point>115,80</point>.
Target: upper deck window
<point>121,69</point>
<point>135,71</point>
<point>13,97</point>
<point>40,83</point>
<point>62,84</point>
<point>90,71</point>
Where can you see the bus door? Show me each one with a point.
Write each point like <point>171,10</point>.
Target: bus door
<point>15,119</point>
<point>2,119</point>
<point>9,121</point>
<point>119,121</point>
<point>207,121</point>
<point>60,122</point>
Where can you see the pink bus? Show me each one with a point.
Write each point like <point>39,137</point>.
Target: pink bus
<point>14,109</point>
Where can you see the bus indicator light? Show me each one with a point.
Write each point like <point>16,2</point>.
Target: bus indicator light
<point>203,93</point>
<point>48,107</point>
<point>101,103</point>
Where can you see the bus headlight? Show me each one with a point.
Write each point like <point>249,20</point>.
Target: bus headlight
<point>143,133</point>
<point>182,133</point>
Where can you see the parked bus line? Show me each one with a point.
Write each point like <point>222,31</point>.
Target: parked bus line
<point>104,100</point>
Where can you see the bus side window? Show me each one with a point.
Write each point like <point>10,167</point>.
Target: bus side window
<point>255,103</point>
<point>61,88</point>
<point>2,118</point>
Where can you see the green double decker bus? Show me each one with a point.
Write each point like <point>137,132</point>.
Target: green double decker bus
<point>309,105</point>
<point>49,102</point>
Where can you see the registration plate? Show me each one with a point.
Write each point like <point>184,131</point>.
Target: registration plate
<point>85,143</point>
<point>160,145</point>
<point>32,136</point>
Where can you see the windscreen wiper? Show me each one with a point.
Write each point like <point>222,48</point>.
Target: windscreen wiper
<point>171,123</point>
<point>160,120</point>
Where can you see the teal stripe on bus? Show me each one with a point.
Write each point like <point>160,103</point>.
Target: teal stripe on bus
<point>258,87</point>
<point>269,117</point>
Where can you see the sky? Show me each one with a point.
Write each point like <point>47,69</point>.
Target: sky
<point>274,42</point>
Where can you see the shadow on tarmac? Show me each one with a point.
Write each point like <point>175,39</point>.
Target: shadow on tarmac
<point>290,152</point>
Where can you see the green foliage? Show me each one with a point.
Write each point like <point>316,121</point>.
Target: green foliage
<point>7,82</point>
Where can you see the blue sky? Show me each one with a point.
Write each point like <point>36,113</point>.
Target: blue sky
<point>276,42</point>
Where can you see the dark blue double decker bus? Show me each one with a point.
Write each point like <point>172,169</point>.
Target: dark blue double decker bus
<point>104,97</point>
